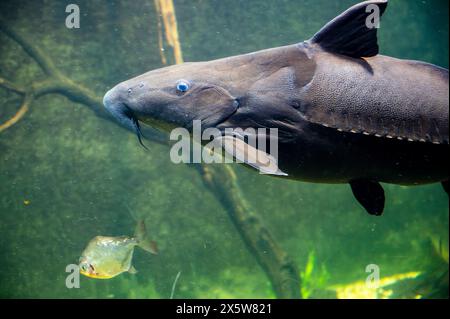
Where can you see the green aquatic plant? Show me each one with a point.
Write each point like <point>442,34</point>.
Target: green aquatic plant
<point>313,278</point>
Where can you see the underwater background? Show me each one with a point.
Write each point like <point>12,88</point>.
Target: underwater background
<point>68,173</point>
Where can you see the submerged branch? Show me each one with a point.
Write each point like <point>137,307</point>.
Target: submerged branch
<point>160,33</point>
<point>11,86</point>
<point>19,114</point>
<point>55,83</point>
<point>280,269</point>
<point>166,10</point>
<point>34,52</point>
<point>25,106</point>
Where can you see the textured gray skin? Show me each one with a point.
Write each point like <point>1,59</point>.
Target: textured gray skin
<point>377,118</point>
<point>343,112</point>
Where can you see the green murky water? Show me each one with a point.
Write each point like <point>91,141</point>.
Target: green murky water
<point>67,175</point>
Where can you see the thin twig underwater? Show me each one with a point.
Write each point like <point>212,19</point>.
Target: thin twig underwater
<point>174,285</point>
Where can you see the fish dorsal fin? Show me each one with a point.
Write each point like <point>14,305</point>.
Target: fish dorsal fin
<point>354,32</point>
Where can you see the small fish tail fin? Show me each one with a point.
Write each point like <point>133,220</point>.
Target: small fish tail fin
<point>142,239</point>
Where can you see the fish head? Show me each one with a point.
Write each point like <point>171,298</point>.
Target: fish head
<point>89,269</point>
<point>172,97</point>
<point>251,90</point>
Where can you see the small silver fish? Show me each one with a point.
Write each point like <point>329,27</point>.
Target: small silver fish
<point>106,257</point>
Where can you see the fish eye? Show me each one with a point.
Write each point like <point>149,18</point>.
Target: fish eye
<point>182,86</point>
<point>129,91</point>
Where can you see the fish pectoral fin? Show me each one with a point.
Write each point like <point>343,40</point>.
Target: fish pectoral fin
<point>354,32</point>
<point>243,152</point>
<point>369,194</point>
<point>132,270</point>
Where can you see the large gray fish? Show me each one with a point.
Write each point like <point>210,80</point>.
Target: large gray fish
<point>344,113</point>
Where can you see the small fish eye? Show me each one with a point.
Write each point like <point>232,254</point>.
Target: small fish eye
<point>129,90</point>
<point>182,86</point>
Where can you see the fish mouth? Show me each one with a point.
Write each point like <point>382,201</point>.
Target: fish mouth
<point>136,127</point>
<point>95,275</point>
<point>123,114</point>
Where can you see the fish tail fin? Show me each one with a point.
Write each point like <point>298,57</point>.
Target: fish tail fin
<point>143,241</point>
